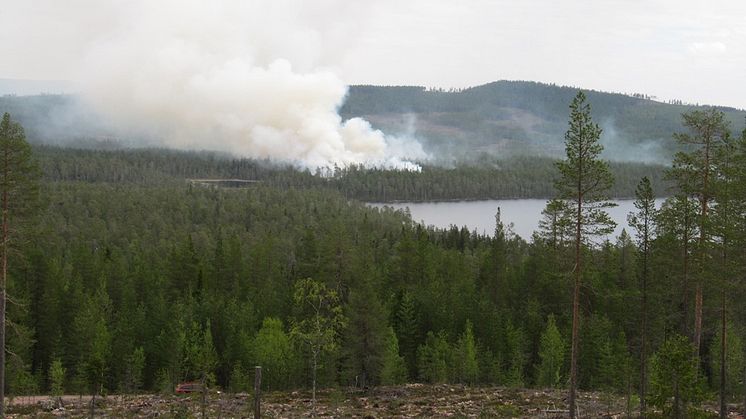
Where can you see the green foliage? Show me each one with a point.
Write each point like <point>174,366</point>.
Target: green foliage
<point>552,355</point>
<point>19,172</point>
<point>643,221</point>
<point>320,320</point>
<point>18,377</point>
<point>515,355</point>
<point>464,355</point>
<point>164,384</point>
<point>432,359</point>
<point>674,376</point>
<point>394,369</point>
<point>604,357</point>
<point>128,266</point>
<point>94,342</point>
<point>555,226</point>
<point>57,378</point>
<point>239,381</point>
<point>275,353</point>
<point>487,177</point>
<point>324,320</point>
<point>585,179</point>
<point>135,365</point>
<point>365,335</point>
<point>406,325</point>
<point>734,362</point>
<point>200,356</point>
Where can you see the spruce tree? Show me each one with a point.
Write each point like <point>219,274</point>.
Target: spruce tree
<point>406,324</point>
<point>465,357</point>
<point>584,183</point>
<point>365,335</point>
<point>394,369</point>
<point>552,355</point>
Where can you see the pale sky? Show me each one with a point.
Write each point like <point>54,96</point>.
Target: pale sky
<point>689,50</point>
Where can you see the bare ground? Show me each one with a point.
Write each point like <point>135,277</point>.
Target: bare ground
<point>409,401</point>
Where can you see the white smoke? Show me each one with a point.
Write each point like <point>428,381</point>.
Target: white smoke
<point>242,77</point>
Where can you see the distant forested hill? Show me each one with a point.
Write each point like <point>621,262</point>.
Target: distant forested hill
<point>516,117</point>
<point>504,118</point>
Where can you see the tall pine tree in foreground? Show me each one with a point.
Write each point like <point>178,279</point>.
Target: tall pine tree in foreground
<point>694,171</point>
<point>18,191</point>
<point>584,183</point>
<point>643,222</point>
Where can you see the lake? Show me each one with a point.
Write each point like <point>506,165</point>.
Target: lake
<point>524,214</point>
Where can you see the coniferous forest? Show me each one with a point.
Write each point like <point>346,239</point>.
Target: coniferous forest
<point>124,277</point>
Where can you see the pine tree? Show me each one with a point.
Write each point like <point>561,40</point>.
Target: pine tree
<point>555,227</point>
<point>726,215</point>
<point>18,193</point>
<point>694,173</point>
<point>643,221</point>
<point>676,224</point>
<point>584,183</point>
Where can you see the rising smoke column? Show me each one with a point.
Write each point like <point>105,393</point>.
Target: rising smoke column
<point>243,77</point>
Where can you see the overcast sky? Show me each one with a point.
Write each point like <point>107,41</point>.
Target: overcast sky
<point>689,50</point>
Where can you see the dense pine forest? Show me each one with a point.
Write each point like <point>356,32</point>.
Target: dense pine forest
<point>129,278</point>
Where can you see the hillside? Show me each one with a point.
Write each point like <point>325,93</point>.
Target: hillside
<point>503,118</point>
<point>516,117</point>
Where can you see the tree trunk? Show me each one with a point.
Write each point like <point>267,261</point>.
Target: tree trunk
<point>93,405</point>
<point>698,318</point>
<point>676,399</point>
<point>743,410</point>
<point>3,285</point>
<point>313,391</point>
<point>257,392</point>
<point>203,404</point>
<point>703,255</point>
<point>575,310</point>
<point>685,280</point>
<point>723,342</point>
<point>643,350</point>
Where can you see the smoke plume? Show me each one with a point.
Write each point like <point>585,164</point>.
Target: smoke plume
<point>249,78</point>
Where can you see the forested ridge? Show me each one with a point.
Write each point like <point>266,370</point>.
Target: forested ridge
<point>522,117</point>
<point>131,279</point>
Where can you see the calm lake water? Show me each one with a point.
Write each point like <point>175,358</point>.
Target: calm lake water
<point>524,214</point>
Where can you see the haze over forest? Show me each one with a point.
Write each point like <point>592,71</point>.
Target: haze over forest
<point>426,125</point>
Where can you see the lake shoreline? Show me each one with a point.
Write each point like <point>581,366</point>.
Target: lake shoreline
<point>523,215</point>
<point>437,201</point>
